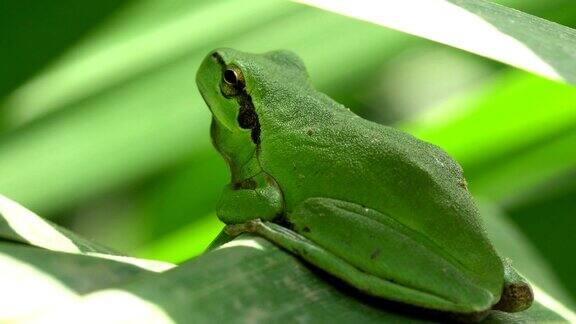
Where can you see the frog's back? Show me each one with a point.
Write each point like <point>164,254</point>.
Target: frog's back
<point>315,147</point>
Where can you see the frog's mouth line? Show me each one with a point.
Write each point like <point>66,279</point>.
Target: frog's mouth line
<point>247,117</point>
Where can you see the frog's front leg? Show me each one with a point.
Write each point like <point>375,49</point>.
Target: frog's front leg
<point>257,197</point>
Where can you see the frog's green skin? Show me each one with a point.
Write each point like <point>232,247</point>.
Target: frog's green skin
<point>376,207</point>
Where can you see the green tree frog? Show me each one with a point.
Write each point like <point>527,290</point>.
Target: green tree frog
<point>385,212</point>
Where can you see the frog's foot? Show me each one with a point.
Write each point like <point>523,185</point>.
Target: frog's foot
<point>248,227</point>
<point>516,297</point>
<point>517,294</point>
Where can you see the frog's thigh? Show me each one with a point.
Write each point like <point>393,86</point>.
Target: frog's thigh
<point>331,263</point>
<point>376,244</point>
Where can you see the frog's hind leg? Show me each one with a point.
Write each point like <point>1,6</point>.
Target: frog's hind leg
<point>517,294</point>
<point>323,259</point>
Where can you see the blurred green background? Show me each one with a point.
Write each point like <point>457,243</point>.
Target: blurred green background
<point>103,131</point>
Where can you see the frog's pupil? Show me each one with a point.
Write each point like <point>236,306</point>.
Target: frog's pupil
<point>230,77</point>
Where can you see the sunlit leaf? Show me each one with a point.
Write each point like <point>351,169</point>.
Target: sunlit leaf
<point>21,225</point>
<point>240,281</point>
<point>17,224</point>
<point>34,279</point>
<point>117,111</point>
<point>477,26</point>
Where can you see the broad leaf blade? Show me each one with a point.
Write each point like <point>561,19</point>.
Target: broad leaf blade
<point>511,136</point>
<point>477,26</point>
<point>34,279</point>
<point>513,244</point>
<point>240,282</point>
<point>21,225</point>
<point>17,224</point>
<point>152,114</point>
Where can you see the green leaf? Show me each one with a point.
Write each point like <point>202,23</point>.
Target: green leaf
<point>477,26</point>
<point>549,219</point>
<point>253,268</point>
<point>511,136</point>
<point>43,265</point>
<point>193,189</point>
<point>43,24</point>
<point>17,224</point>
<point>184,243</point>
<point>511,243</point>
<point>120,106</point>
<point>34,279</point>
<point>115,125</point>
<point>240,282</point>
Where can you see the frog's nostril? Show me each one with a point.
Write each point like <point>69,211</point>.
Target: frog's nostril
<point>218,58</point>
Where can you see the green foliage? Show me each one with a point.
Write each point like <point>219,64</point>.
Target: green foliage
<point>102,130</point>
<point>43,283</point>
<point>518,128</point>
<point>498,32</point>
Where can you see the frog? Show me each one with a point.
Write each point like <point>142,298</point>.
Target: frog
<point>381,210</point>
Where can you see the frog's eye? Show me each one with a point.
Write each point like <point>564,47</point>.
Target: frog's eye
<point>232,81</point>
<point>230,77</point>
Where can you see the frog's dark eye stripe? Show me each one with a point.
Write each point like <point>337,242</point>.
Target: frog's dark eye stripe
<point>232,86</point>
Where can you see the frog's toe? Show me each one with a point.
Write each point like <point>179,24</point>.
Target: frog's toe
<point>515,298</point>
<point>517,294</point>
